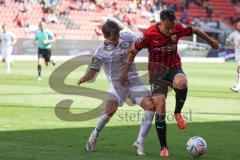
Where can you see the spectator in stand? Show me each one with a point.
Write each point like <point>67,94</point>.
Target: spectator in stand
<point>193,1</point>
<point>144,12</point>
<point>50,18</point>
<point>20,1</point>
<point>74,5</point>
<point>209,11</point>
<point>235,1</point>
<point>85,7</point>
<point>132,7</point>
<point>53,2</point>
<point>24,7</point>
<point>118,15</point>
<point>92,6</point>
<point>184,4</point>
<point>100,3</point>
<point>61,10</point>
<point>128,19</point>
<point>2,2</point>
<point>171,7</point>
<point>22,20</point>
<point>159,4</point>
<point>49,2</point>
<point>184,18</point>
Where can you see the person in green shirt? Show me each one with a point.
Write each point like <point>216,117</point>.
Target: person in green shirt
<point>44,39</point>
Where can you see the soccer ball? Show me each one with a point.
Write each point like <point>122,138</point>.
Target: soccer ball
<point>196,146</point>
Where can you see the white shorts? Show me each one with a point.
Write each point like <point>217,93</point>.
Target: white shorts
<point>135,91</point>
<point>6,53</point>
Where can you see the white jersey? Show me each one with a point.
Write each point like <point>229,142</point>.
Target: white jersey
<point>113,57</point>
<point>6,39</point>
<point>235,38</point>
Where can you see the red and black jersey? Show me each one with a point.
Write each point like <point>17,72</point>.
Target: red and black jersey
<point>162,49</point>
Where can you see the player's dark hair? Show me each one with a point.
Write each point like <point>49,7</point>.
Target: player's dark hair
<point>237,21</point>
<point>111,28</point>
<point>167,15</point>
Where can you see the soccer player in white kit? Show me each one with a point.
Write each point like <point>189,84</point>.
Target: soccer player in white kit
<point>112,55</point>
<point>8,39</point>
<point>234,40</point>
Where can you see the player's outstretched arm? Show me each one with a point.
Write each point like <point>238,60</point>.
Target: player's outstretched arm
<point>132,52</point>
<point>214,43</point>
<point>88,76</point>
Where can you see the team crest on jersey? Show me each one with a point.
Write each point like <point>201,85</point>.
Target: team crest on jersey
<point>174,38</point>
<point>124,45</point>
<point>141,38</point>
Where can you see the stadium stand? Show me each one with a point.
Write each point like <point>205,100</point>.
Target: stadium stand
<point>82,19</point>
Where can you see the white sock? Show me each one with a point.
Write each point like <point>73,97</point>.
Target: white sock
<point>8,66</point>
<point>238,81</point>
<point>146,124</point>
<point>102,121</point>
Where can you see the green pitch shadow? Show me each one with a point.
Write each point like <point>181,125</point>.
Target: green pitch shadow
<point>115,143</point>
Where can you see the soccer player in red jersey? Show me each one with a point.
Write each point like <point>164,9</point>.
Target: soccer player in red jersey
<point>161,40</point>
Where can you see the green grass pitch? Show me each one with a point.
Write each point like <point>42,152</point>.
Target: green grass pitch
<point>30,130</point>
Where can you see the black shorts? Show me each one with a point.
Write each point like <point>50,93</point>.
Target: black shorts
<point>45,54</point>
<point>162,83</point>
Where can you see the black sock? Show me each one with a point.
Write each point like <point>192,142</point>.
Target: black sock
<point>39,71</point>
<point>161,128</point>
<point>181,95</point>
